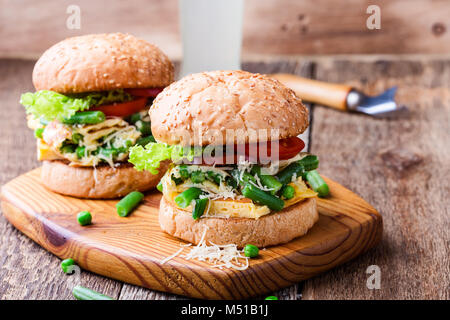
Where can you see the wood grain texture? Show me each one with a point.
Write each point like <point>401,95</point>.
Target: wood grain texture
<point>131,249</point>
<point>401,166</point>
<point>16,250</point>
<point>358,151</point>
<point>281,27</point>
<point>40,275</point>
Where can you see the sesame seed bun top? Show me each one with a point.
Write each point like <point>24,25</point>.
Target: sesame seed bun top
<point>100,62</point>
<point>200,108</point>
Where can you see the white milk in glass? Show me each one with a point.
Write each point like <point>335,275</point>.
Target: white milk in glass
<point>211,31</point>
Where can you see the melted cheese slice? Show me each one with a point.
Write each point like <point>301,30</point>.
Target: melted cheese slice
<point>114,129</point>
<point>231,208</point>
<point>44,152</point>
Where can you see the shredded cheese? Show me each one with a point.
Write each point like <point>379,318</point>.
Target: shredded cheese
<point>220,256</point>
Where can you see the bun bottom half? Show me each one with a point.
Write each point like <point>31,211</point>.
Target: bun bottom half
<point>272,229</point>
<point>105,183</point>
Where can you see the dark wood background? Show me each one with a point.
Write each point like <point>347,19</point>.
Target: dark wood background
<point>402,167</point>
<point>271,27</point>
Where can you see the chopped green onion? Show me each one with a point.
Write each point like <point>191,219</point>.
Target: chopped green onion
<point>128,203</point>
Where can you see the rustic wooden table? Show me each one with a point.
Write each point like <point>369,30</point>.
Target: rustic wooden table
<point>402,167</point>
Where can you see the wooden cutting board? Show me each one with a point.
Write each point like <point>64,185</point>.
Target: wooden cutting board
<point>130,249</point>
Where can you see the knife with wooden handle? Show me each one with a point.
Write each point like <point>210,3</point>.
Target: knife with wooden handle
<point>327,94</point>
<point>342,97</point>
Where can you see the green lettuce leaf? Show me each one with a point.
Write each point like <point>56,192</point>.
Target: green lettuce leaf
<point>149,157</point>
<point>49,105</point>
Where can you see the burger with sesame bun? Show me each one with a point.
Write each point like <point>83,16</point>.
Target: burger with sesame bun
<point>238,168</point>
<point>91,106</point>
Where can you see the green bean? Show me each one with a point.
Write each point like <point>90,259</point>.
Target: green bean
<point>214,177</point>
<point>184,171</point>
<point>309,162</point>
<point>68,148</point>
<point>144,127</point>
<point>82,293</point>
<point>135,117</point>
<point>176,180</point>
<point>108,152</point>
<point>128,143</point>
<point>76,138</point>
<point>231,182</point>
<point>317,183</point>
<point>251,251</point>
<point>242,177</point>
<point>285,176</point>
<point>84,218</point>
<point>199,208</point>
<point>160,187</point>
<point>288,192</point>
<point>267,180</point>
<point>66,265</point>
<point>262,197</point>
<point>38,132</point>
<point>197,176</point>
<point>86,117</point>
<point>128,203</point>
<point>271,298</point>
<point>143,141</point>
<point>80,151</point>
<point>185,198</point>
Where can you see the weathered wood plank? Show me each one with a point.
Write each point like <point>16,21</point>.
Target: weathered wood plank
<point>282,27</point>
<point>26,270</point>
<point>400,166</point>
<point>299,68</point>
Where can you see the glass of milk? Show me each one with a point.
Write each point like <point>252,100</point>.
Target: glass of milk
<point>211,32</point>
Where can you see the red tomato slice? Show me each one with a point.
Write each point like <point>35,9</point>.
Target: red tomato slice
<point>146,92</point>
<point>290,147</point>
<point>122,109</point>
<point>287,148</point>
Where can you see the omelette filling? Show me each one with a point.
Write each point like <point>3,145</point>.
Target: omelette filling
<point>67,128</point>
<point>244,190</point>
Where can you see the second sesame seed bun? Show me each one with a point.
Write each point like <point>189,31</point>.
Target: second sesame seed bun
<point>205,105</point>
<point>100,62</point>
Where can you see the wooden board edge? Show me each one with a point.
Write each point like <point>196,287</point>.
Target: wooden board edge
<point>189,281</point>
